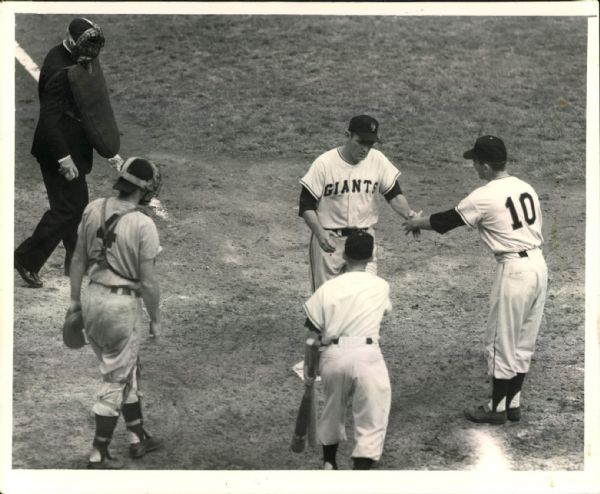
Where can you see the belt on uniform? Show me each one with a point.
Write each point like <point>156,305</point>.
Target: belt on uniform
<point>346,232</point>
<point>123,290</point>
<point>523,253</point>
<point>119,290</point>
<point>367,341</point>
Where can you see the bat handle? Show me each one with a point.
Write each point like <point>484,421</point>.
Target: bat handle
<point>298,443</point>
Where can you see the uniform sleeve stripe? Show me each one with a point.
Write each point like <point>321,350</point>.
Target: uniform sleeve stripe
<point>311,319</point>
<point>463,217</point>
<point>307,187</point>
<point>393,183</point>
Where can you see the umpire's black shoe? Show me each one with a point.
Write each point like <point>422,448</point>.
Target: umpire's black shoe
<point>137,450</point>
<point>513,414</point>
<point>32,279</point>
<point>483,415</point>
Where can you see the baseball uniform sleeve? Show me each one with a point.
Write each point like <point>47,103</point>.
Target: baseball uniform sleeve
<point>388,174</point>
<point>468,211</point>
<point>149,242</point>
<point>314,309</point>
<point>314,179</point>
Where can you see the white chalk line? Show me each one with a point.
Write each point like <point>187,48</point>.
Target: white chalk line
<point>34,71</point>
<point>27,62</point>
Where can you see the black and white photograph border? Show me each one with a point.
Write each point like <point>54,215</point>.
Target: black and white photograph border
<point>200,213</point>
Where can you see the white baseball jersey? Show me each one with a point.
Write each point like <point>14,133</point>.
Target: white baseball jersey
<point>351,304</point>
<point>350,307</point>
<point>507,213</point>
<point>346,192</point>
<point>135,239</point>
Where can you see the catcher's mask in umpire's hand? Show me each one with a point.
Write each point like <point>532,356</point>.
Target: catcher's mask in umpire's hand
<point>142,174</point>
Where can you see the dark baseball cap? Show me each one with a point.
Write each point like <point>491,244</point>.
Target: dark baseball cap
<point>359,246</point>
<point>489,149</point>
<point>136,168</point>
<point>365,127</point>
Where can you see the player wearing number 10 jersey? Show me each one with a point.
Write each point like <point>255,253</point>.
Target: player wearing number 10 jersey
<point>506,211</point>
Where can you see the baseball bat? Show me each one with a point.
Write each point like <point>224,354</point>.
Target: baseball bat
<point>302,420</point>
<point>306,418</point>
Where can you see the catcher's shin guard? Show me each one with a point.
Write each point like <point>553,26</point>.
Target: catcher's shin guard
<point>105,426</point>
<point>132,413</point>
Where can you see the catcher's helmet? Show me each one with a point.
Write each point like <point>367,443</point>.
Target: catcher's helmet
<point>141,174</point>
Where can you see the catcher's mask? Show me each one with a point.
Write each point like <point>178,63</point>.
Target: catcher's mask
<point>139,173</point>
<point>85,40</point>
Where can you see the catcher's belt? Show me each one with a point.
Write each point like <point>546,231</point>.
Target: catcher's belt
<point>91,95</point>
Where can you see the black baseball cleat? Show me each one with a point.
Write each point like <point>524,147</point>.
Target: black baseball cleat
<point>513,414</point>
<point>137,450</point>
<point>483,415</point>
<point>32,279</point>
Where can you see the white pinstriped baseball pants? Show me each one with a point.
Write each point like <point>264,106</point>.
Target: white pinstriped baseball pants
<point>357,376</point>
<point>325,265</point>
<point>516,308</point>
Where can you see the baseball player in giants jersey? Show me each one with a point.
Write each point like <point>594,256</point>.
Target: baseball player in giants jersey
<point>338,197</point>
<point>506,211</point>
<point>346,314</point>
<point>117,246</point>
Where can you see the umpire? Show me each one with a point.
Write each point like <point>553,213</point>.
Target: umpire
<point>63,150</point>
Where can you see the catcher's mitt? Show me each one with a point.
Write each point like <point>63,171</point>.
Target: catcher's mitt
<point>72,330</point>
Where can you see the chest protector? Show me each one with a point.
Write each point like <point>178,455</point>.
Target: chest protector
<point>97,117</point>
<point>107,235</point>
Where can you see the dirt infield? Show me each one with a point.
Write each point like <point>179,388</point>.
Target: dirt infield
<point>235,109</point>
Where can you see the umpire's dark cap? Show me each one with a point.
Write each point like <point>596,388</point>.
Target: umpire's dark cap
<point>359,246</point>
<point>488,149</point>
<point>139,168</point>
<point>365,127</point>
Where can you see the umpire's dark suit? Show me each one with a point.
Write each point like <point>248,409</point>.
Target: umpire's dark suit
<point>58,133</point>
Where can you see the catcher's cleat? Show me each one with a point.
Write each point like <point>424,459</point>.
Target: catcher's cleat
<point>513,414</point>
<point>32,279</point>
<point>329,466</point>
<point>108,463</point>
<point>137,450</point>
<point>483,415</point>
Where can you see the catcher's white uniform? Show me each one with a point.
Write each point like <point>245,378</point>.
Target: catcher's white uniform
<point>506,211</point>
<point>346,196</point>
<point>112,310</point>
<point>348,311</point>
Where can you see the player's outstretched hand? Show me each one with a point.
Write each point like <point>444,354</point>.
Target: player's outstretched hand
<point>155,332</point>
<point>326,242</point>
<point>412,224</point>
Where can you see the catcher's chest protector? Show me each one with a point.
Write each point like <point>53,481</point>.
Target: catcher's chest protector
<point>107,234</point>
<point>97,117</point>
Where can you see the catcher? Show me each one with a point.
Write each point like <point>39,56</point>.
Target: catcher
<point>117,246</point>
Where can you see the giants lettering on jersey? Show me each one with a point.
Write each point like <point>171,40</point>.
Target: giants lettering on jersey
<point>357,186</point>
